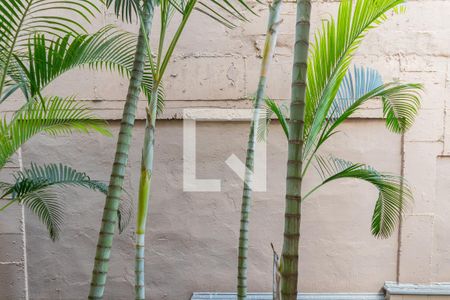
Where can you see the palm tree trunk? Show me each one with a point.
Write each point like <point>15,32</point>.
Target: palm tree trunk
<point>120,161</point>
<point>144,194</point>
<point>269,47</point>
<point>289,272</point>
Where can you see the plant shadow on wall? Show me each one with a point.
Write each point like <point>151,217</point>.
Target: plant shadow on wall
<point>326,92</point>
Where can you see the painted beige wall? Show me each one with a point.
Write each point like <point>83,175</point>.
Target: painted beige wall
<point>193,236</point>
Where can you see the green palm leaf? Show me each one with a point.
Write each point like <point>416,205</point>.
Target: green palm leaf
<point>125,9</point>
<point>22,18</point>
<point>56,174</point>
<point>272,108</point>
<point>356,84</point>
<point>108,49</point>
<point>35,188</point>
<point>394,194</point>
<point>19,19</point>
<point>15,80</point>
<point>330,56</point>
<point>401,101</point>
<point>219,10</point>
<point>45,204</point>
<point>51,115</point>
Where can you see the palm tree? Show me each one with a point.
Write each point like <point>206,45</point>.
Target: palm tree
<point>325,95</point>
<point>158,67</point>
<point>127,9</point>
<point>143,61</point>
<point>289,260</point>
<point>268,52</point>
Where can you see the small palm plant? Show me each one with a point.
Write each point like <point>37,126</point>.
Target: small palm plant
<point>37,45</point>
<point>158,63</point>
<point>324,94</point>
<point>34,187</point>
<point>53,115</point>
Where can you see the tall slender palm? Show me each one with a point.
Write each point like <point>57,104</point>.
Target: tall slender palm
<point>158,67</point>
<point>268,52</point>
<point>112,202</point>
<point>322,98</point>
<point>129,9</point>
<point>294,165</point>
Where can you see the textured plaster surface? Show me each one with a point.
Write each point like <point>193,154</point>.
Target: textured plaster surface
<point>12,260</point>
<point>193,236</point>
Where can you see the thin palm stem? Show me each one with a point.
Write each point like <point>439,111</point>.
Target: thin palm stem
<point>112,202</point>
<point>149,139</point>
<point>289,272</point>
<point>269,48</point>
<point>10,202</point>
<point>144,194</point>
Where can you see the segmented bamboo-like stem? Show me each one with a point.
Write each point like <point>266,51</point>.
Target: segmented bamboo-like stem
<point>268,52</point>
<point>144,194</point>
<point>109,219</point>
<point>289,263</point>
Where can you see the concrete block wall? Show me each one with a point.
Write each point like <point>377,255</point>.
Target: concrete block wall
<point>192,236</point>
<point>13,264</point>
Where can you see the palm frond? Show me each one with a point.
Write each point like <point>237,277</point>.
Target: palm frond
<point>219,10</point>
<point>281,113</point>
<point>45,204</point>
<point>394,194</point>
<point>51,115</point>
<point>265,117</point>
<point>127,10</point>
<point>15,79</point>
<point>5,189</point>
<point>224,11</point>
<point>108,49</point>
<point>401,101</point>
<point>22,18</point>
<point>19,19</point>
<point>36,194</point>
<point>330,56</point>
<point>33,185</point>
<point>272,108</point>
<point>56,174</point>
<point>355,84</point>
